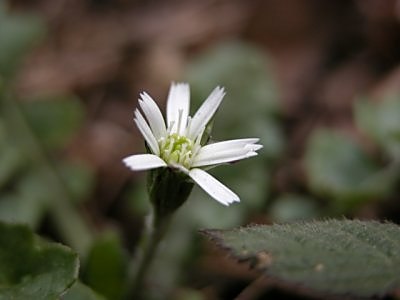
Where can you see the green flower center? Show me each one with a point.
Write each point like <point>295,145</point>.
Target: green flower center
<point>176,149</point>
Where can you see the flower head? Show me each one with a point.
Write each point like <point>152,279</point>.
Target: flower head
<point>177,143</point>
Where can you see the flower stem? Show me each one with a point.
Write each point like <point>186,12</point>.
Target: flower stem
<point>153,234</point>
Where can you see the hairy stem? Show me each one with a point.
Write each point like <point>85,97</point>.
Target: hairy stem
<point>153,234</point>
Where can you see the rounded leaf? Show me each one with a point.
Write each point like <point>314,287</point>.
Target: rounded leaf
<point>31,268</point>
<point>333,256</point>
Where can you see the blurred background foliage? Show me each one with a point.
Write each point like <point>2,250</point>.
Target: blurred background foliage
<point>317,83</point>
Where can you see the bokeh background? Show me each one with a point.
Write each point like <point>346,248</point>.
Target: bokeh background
<point>317,81</point>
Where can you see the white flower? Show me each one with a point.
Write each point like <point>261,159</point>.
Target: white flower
<point>176,144</point>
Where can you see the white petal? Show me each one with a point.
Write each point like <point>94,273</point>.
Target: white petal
<point>153,116</point>
<point>213,187</point>
<point>226,151</point>
<point>228,145</point>
<point>205,112</point>
<point>254,147</point>
<point>222,157</point>
<point>146,132</point>
<point>141,162</point>
<point>178,103</point>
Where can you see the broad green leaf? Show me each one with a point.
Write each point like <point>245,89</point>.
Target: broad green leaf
<point>381,122</point>
<point>337,167</point>
<point>55,119</point>
<point>18,33</point>
<point>106,266</point>
<point>79,291</point>
<point>31,268</point>
<point>333,256</point>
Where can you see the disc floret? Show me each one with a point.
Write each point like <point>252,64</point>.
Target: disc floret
<point>177,149</point>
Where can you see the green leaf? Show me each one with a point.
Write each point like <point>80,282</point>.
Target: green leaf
<point>18,33</point>
<point>79,291</point>
<point>106,267</point>
<point>31,268</point>
<point>54,119</point>
<point>381,122</point>
<point>337,167</point>
<point>333,256</point>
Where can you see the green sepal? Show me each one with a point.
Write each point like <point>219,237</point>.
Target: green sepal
<point>168,189</point>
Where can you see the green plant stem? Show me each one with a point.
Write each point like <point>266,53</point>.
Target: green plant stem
<point>153,234</point>
<point>71,225</point>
